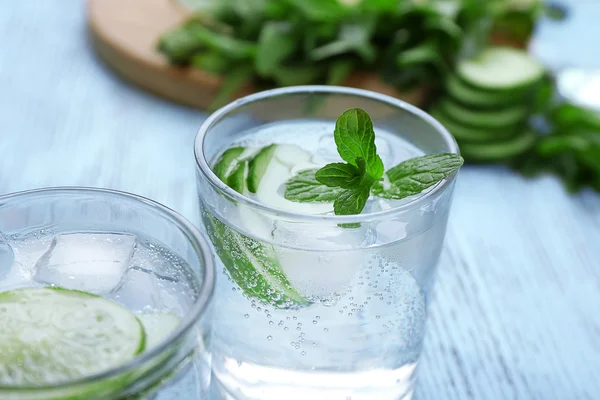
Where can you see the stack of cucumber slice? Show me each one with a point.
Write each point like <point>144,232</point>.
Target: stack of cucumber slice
<point>488,102</point>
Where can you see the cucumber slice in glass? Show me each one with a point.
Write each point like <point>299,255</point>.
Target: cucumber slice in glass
<point>53,335</point>
<point>498,118</point>
<point>227,162</point>
<point>237,179</point>
<point>258,166</point>
<point>502,69</point>
<point>499,151</point>
<point>252,265</point>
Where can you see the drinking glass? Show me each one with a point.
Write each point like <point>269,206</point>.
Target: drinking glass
<point>319,306</point>
<point>127,249</point>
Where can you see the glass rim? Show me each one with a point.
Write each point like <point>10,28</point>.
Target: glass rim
<point>198,309</point>
<point>204,167</point>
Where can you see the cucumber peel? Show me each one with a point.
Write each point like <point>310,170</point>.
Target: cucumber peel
<point>258,166</point>
<point>227,162</point>
<point>477,98</point>
<point>464,133</point>
<point>500,151</point>
<point>237,179</point>
<point>497,118</point>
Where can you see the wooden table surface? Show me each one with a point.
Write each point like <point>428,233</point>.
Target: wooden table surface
<point>517,311</point>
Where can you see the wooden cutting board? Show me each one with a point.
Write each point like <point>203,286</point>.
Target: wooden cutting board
<point>125,33</point>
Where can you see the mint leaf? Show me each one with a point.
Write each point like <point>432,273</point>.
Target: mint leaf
<point>352,201</point>
<point>355,138</point>
<point>339,175</point>
<point>305,188</point>
<point>275,43</point>
<point>417,174</point>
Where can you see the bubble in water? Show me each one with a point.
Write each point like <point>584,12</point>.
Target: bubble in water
<point>286,328</point>
<point>246,315</point>
<point>377,317</point>
<point>280,323</point>
<point>317,317</point>
<point>303,353</point>
<point>258,309</point>
<point>271,322</point>
<point>269,337</point>
<point>268,315</point>
<point>293,344</point>
<point>298,329</point>
<point>314,344</point>
<point>294,318</point>
<point>299,323</point>
<point>326,329</point>
<point>314,321</point>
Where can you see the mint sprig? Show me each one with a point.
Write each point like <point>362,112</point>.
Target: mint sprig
<point>412,176</point>
<point>349,185</point>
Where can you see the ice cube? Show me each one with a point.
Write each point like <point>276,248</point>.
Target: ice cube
<point>92,262</point>
<point>138,290</point>
<point>385,151</point>
<point>320,260</point>
<point>149,283</point>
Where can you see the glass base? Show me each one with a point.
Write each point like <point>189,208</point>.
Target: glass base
<point>398,384</point>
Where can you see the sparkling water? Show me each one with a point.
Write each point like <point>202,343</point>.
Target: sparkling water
<point>358,331</point>
<point>135,271</point>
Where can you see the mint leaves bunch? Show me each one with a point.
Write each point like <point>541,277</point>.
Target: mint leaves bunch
<point>349,184</point>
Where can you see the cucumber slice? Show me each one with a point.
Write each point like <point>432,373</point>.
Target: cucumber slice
<point>258,166</point>
<point>468,95</point>
<point>252,265</point>
<point>227,162</point>
<point>501,68</point>
<point>54,335</point>
<point>464,133</point>
<point>237,179</point>
<point>500,151</point>
<point>499,118</point>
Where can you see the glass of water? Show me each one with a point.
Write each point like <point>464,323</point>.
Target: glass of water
<point>103,295</point>
<point>312,305</point>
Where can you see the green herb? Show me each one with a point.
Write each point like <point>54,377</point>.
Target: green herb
<point>305,188</point>
<point>355,139</point>
<point>568,146</point>
<point>341,175</point>
<point>352,201</point>
<point>291,42</point>
<point>349,185</point>
<point>417,174</point>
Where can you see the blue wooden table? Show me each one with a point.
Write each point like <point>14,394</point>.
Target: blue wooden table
<point>517,312</point>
